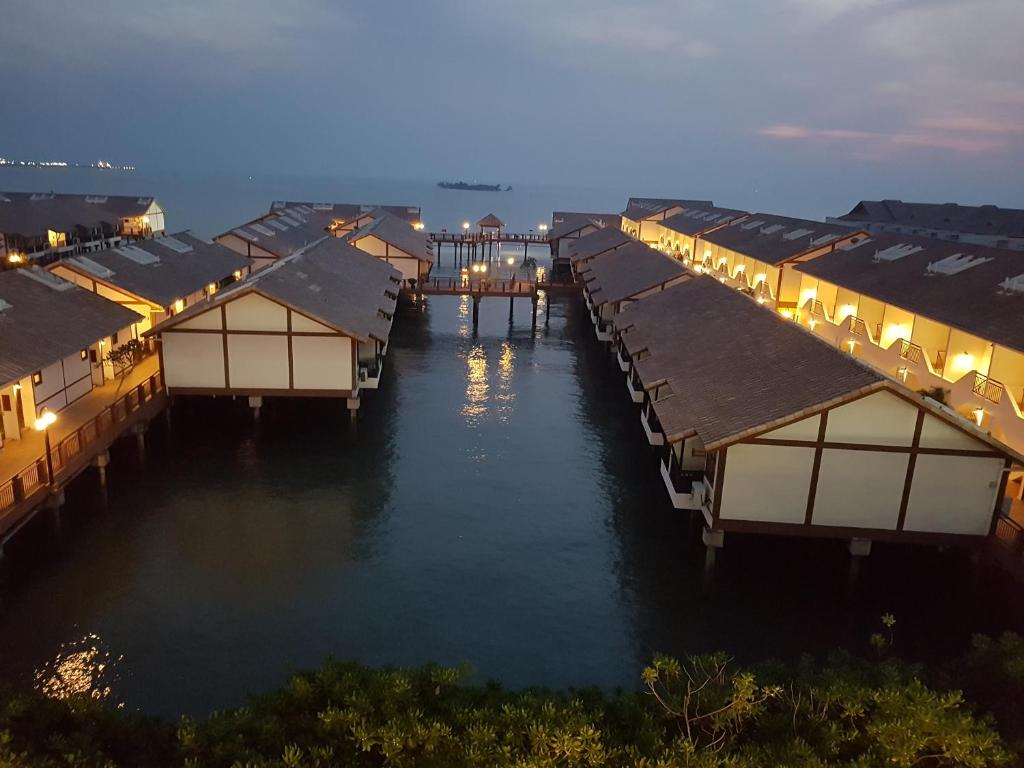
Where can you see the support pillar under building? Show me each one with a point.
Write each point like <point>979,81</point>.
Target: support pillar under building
<point>353,408</point>
<point>256,402</point>
<point>714,540</point>
<point>101,461</point>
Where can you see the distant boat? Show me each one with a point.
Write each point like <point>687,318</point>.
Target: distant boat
<point>466,186</point>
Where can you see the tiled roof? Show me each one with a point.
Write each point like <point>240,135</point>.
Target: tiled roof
<point>733,368</point>
<point>596,243</point>
<point>181,264</point>
<point>947,217</point>
<point>776,239</point>
<point>411,214</point>
<point>285,231</point>
<point>627,271</point>
<point>398,233</point>
<point>331,282</point>
<point>490,220</point>
<point>694,221</point>
<point>31,214</point>
<point>567,222</point>
<point>44,319</point>
<point>971,300</point>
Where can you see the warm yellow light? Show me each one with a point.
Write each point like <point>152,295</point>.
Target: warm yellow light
<point>465,271</point>
<point>698,268</point>
<point>786,313</point>
<point>979,415</point>
<point>845,311</point>
<point>851,343</point>
<point>211,288</point>
<point>16,387</point>
<point>812,322</point>
<point>179,305</point>
<point>145,220</point>
<point>46,419</point>
<point>721,280</point>
<point>722,261</point>
<point>964,362</point>
<point>419,225</point>
<point>15,258</point>
<point>740,268</point>
<point>476,267</point>
<point>465,225</point>
<point>543,227</point>
<point>238,274</point>
<point>760,277</point>
<point>483,267</point>
<point>760,299</point>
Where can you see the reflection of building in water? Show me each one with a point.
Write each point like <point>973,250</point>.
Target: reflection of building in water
<point>477,387</point>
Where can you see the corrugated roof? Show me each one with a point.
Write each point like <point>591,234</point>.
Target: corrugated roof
<point>40,325</point>
<point>173,273</point>
<point>776,239</point>
<point>987,220</point>
<point>30,214</point>
<point>970,300</point>
<point>732,367</point>
<point>627,271</point>
<point>331,282</point>
<point>398,233</point>
<point>596,243</point>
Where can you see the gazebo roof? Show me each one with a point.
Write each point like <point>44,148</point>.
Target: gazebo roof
<point>490,220</point>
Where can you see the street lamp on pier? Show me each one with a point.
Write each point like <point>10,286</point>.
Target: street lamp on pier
<point>42,424</point>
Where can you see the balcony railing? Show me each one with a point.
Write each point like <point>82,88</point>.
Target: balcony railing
<point>910,352</point>
<point>1010,534</point>
<point>100,427</point>
<point>990,389</point>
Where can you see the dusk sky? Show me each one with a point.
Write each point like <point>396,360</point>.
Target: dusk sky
<point>919,99</point>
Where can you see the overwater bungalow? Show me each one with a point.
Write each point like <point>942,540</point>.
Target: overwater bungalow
<point>935,314</point>
<point>765,428</point>
<point>677,235</point>
<point>54,339</point>
<point>393,240</point>
<point>490,225</point>
<point>314,324</point>
<point>624,275</point>
<point>757,254</point>
<point>44,226</point>
<point>276,235</point>
<point>567,227</point>
<point>350,216</point>
<point>581,251</point>
<point>642,212</point>
<point>158,277</point>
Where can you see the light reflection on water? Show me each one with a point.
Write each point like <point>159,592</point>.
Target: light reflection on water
<point>477,387</point>
<point>506,395</point>
<point>81,667</point>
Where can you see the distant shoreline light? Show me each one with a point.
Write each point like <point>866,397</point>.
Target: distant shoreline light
<point>101,164</point>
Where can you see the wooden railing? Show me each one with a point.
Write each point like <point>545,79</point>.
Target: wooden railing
<point>485,287</point>
<point>990,389</point>
<point>471,238</point>
<point>1010,534</point>
<point>910,352</point>
<point>28,480</point>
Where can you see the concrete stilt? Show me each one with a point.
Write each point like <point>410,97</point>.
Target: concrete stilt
<point>714,540</point>
<point>511,305</point>
<point>859,549</point>
<point>256,402</point>
<point>139,430</point>
<point>100,461</point>
<point>52,505</point>
<point>353,408</point>
<point>533,299</point>
<point>476,311</point>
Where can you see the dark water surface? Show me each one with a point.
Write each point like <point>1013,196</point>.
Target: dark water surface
<point>497,504</point>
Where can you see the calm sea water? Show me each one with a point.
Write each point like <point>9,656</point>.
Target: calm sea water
<point>497,504</point>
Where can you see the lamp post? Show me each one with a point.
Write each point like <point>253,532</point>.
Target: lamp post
<point>511,269</point>
<point>43,423</point>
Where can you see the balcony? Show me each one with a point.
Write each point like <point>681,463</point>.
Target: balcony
<point>686,489</point>
<point>652,427</point>
<point>603,329</point>
<point>634,386</point>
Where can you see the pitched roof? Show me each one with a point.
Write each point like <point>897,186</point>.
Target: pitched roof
<point>971,300</point>
<point>398,233</point>
<point>30,214</point>
<point>331,282</point>
<point>947,217</point>
<point>567,222</point>
<point>629,270</point>
<point>44,318</point>
<point>596,243</point>
<point>696,221</point>
<point>638,208</point>
<point>167,268</point>
<point>411,214</point>
<point>490,220</point>
<point>776,239</point>
<point>732,367</point>
<point>285,231</point>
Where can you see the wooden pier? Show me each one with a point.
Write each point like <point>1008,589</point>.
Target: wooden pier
<point>469,247</point>
<point>479,288</point>
<point>88,428</point>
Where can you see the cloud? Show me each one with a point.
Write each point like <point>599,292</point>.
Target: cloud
<point>880,142</point>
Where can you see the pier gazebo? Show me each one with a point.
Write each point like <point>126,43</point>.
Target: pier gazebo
<point>490,225</point>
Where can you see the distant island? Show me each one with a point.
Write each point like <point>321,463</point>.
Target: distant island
<point>101,164</point>
<point>473,187</point>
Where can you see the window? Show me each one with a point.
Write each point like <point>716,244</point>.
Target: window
<point>92,356</point>
<point>113,339</point>
<point>5,402</point>
<point>84,353</point>
<point>37,378</point>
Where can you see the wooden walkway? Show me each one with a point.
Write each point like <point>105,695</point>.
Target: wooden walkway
<point>477,238</point>
<point>457,286</point>
<point>84,431</point>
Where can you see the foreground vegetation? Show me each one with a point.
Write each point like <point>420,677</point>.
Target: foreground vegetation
<point>703,712</point>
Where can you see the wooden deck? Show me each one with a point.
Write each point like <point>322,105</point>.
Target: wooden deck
<point>477,238</point>
<point>457,286</point>
<point>84,430</point>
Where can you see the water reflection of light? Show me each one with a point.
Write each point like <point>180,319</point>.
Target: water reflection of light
<point>505,396</point>
<point>463,315</point>
<point>476,386</point>
<point>81,667</point>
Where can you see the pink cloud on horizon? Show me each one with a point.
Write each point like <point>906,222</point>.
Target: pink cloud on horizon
<point>942,137</point>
